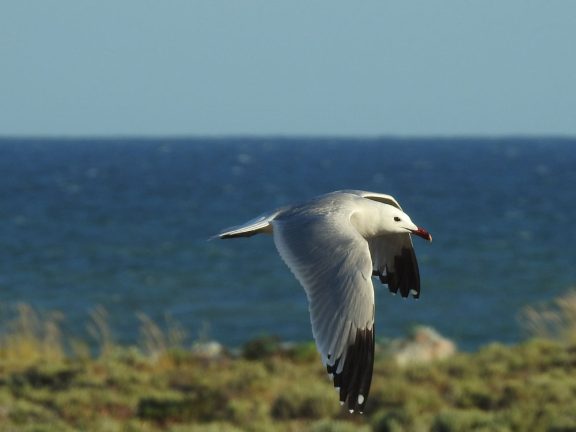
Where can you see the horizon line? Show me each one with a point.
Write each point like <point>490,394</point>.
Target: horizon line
<point>283,136</point>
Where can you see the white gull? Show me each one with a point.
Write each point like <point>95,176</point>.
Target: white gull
<point>334,244</point>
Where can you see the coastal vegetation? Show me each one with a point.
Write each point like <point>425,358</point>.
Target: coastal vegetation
<point>50,382</point>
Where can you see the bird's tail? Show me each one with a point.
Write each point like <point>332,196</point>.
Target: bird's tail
<point>261,224</point>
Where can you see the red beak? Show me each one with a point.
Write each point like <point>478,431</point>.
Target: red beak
<point>421,232</point>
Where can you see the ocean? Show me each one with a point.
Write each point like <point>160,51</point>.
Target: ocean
<point>124,224</point>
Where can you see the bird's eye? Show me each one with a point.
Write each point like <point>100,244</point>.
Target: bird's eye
<point>397,219</point>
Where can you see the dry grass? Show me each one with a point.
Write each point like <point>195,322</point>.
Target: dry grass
<point>99,329</point>
<point>31,337</point>
<point>553,320</point>
<point>155,341</point>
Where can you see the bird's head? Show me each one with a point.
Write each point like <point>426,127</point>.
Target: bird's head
<point>399,222</point>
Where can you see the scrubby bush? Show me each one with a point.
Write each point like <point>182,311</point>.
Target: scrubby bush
<point>261,348</point>
<point>337,426</point>
<point>198,404</point>
<point>467,420</point>
<point>305,400</point>
<point>271,387</point>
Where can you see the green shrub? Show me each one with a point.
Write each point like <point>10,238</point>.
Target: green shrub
<point>261,348</point>
<point>207,427</point>
<point>246,411</point>
<point>393,420</point>
<point>327,425</point>
<point>474,393</point>
<point>199,404</point>
<point>52,378</point>
<point>467,420</point>
<point>308,400</point>
<point>23,412</point>
<point>303,352</point>
<point>246,376</point>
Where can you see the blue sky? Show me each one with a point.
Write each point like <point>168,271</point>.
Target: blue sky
<point>314,67</point>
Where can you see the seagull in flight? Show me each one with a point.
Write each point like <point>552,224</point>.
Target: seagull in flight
<point>334,244</point>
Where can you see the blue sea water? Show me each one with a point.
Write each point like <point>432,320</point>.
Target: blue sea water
<point>124,224</point>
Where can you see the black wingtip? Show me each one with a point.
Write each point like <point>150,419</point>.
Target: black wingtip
<point>235,235</point>
<point>356,376</point>
<point>405,276</point>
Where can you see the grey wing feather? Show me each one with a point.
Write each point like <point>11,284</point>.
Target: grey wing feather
<point>332,262</point>
<point>375,196</point>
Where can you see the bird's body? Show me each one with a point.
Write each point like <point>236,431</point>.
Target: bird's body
<point>334,244</point>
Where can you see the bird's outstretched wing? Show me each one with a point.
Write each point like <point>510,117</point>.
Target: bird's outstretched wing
<point>332,262</point>
<point>394,262</point>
